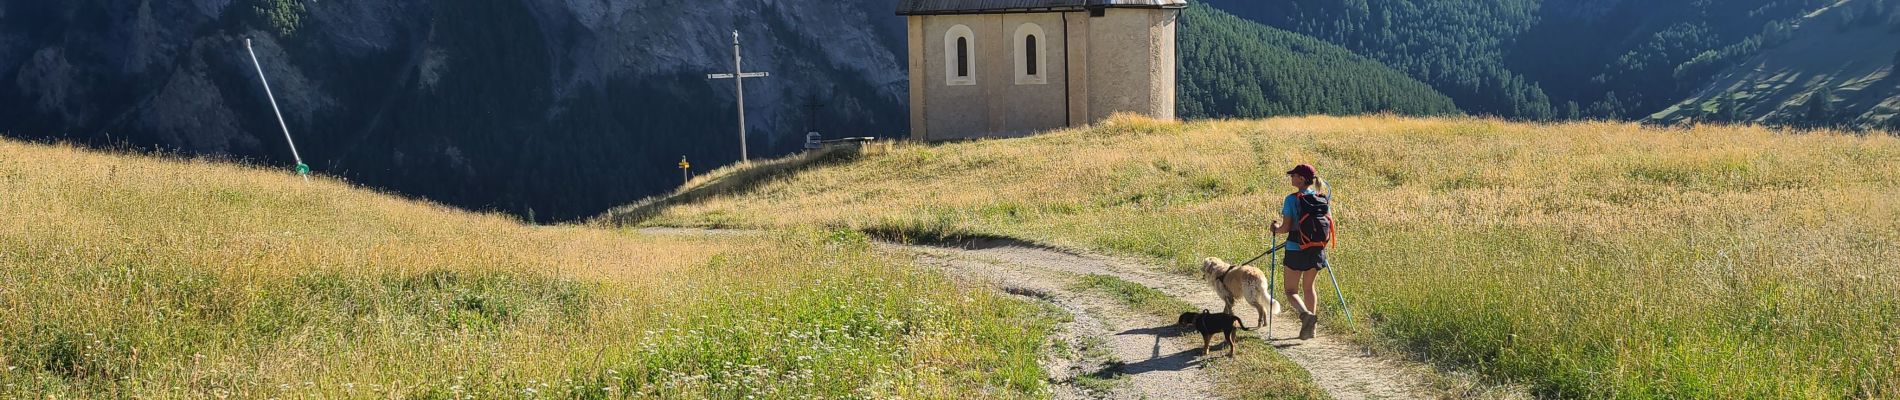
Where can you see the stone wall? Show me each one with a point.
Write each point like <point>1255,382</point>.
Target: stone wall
<point>1132,67</point>
<point>996,103</point>
<point>1090,68</point>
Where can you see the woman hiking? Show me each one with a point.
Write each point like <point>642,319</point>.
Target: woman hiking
<point>1303,264</point>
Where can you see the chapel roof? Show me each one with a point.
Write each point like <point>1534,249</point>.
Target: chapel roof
<point>934,7</point>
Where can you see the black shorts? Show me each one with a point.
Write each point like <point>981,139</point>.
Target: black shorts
<point>1305,260</point>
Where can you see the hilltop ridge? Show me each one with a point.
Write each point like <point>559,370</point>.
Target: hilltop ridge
<point>132,276</point>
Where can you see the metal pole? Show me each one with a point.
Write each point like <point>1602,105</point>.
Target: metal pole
<point>302,169</point>
<point>1329,268</point>
<point>1273,269</point>
<point>739,78</point>
<point>1342,294</point>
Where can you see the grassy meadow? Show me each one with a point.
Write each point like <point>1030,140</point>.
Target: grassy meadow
<point>1587,260</point>
<point>126,276</point>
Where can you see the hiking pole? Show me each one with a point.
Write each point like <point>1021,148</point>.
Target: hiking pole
<point>1273,268</point>
<point>1329,266</point>
<point>1341,293</point>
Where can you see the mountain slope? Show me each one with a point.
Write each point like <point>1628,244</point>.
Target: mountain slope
<point>562,108</point>
<point>1232,67</point>
<point>1848,60</point>
<point>553,110</point>
<point>1535,59</point>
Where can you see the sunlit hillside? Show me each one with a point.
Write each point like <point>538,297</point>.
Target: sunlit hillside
<point>125,276</point>
<point>1593,260</point>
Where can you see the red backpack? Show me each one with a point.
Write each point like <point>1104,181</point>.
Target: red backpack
<point>1312,222</point>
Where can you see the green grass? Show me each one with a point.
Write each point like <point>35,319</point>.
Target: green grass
<point>125,276</point>
<point>1134,295</point>
<point>1585,260</point>
<point>1257,373</point>
<point>1096,348</point>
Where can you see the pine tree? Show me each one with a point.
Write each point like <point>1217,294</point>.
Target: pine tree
<point>1727,109</point>
<point>1775,33</point>
<point>1821,106</point>
<point>1610,107</point>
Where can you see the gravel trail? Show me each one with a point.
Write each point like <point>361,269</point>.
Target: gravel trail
<point>1109,351</point>
<point>1346,371</point>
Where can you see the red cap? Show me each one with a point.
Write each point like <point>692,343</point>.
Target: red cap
<point>1303,170</point>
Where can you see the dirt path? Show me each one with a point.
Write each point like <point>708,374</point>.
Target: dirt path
<point>1114,352</point>
<point>1344,370</point>
<point>1106,350</point>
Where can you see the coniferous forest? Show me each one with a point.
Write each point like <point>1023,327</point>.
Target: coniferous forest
<point>1234,68</point>
<point>1531,59</point>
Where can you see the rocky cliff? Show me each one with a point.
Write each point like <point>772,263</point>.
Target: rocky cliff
<point>554,107</point>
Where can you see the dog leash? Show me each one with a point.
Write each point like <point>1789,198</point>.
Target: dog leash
<point>1269,251</point>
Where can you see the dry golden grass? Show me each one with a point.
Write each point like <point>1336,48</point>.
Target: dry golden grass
<point>1597,260</point>
<point>131,276</point>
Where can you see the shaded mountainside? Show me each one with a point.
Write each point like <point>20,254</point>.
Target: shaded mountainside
<point>1231,67</point>
<point>1835,69</point>
<point>550,109</point>
<point>562,108</point>
<point>1534,59</point>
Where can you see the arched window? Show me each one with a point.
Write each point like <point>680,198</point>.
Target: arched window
<point>1029,51</point>
<point>959,56</point>
<point>963,57</point>
<point>1031,55</point>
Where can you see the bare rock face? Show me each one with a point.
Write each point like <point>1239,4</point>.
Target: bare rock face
<point>190,113</point>
<point>360,28</point>
<point>556,106</point>
<point>47,74</point>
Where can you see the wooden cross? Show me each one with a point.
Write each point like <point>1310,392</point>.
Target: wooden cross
<point>811,115</point>
<point>738,78</point>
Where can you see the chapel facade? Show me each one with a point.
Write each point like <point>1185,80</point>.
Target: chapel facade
<point>1002,68</point>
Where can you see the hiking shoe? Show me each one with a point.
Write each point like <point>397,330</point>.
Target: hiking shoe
<point>1307,323</point>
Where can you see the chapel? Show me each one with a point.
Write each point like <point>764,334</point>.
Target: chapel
<point>1002,68</point>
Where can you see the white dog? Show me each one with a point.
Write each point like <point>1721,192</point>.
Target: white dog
<point>1234,283</point>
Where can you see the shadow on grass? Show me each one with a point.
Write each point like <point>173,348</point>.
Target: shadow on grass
<point>733,180</point>
<point>951,238</point>
<point>1156,361</point>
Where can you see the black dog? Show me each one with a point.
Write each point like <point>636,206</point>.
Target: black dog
<point>1210,324</point>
